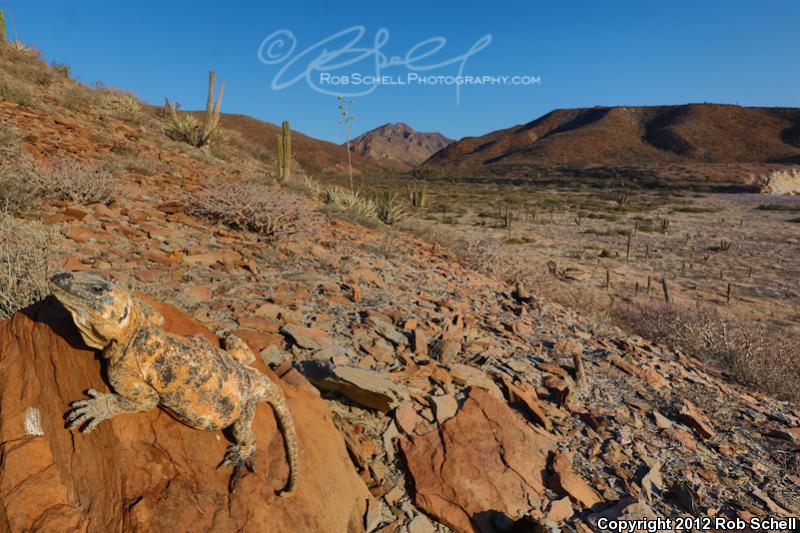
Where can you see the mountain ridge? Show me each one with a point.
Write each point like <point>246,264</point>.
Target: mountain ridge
<point>398,142</point>
<point>645,137</point>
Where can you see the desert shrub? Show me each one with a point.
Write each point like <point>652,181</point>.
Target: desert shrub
<point>758,355</point>
<point>9,142</point>
<point>13,91</point>
<point>17,193</point>
<point>24,184</point>
<point>73,181</point>
<point>76,99</point>
<point>253,207</point>
<point>24,64</point>
<point>26,263</point>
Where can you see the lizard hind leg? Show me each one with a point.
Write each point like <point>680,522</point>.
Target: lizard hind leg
<point>241,454</point>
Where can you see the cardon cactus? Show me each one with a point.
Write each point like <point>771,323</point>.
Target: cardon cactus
<point>185,127</point>
<point>284,159</point>
<point>3,38</point>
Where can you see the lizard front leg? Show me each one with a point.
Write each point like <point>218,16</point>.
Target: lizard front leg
<point>132,395</point>
<point>239,350</point>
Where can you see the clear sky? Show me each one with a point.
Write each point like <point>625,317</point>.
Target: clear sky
<point>585,53</point>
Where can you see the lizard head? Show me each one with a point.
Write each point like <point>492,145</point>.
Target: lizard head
<point>101,311</point>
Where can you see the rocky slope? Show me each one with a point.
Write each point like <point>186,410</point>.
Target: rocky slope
<point>705,140</point>
<point>399,143</point>
<point>429,397</point>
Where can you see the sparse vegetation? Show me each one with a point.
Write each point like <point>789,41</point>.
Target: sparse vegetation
<point>186,127</point>
<point>77,99</point>
<point>73,181</point>
<point>13,91</point>
<point>351,201</point>
<point>284,154</point>
<point>346,121</point>
<point>765,357</point>
<point>26,263</point>
<point>24,185</point>
<point>9,142</point>
<point>390,208</point>
<point>253,207</point>
<point>417,195</point>
<point>779,207</point>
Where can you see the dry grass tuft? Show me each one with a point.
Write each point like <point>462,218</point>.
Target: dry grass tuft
<point>26,263</point>
<point>764,357</point>
<point>253,207</point>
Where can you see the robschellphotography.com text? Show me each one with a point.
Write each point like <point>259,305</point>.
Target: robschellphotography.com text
<point>688,523</point>
<point>415,78</point>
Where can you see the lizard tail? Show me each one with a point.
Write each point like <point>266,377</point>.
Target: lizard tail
<point>289,431</point>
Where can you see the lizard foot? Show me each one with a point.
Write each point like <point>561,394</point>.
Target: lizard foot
<point>90,412</point>
<point>241,459</point>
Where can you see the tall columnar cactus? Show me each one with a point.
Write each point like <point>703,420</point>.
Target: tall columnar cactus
<point>185,127</point>
<point>284,159</point>
<point>211,119</point>
<point>3,39</point>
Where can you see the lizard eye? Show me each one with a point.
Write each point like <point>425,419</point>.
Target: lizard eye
<point>97,289</point>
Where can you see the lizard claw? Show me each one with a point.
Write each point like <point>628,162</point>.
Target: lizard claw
<point>241,459</point>
<point>88,413</point>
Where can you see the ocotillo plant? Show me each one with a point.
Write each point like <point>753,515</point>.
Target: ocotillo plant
<point>284,159</point>
<point>346,121</point>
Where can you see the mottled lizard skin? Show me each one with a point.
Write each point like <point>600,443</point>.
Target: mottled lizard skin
<point>199,384</point>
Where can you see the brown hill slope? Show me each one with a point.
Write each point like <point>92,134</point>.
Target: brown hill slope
<point>398,142</point>
<point>703,138</point>
<point>315,156</point>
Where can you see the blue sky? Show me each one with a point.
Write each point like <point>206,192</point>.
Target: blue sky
<point>585,53</point>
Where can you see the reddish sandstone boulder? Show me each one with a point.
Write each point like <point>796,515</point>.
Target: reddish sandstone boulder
<point>146,471</point>
<point>483,462</point>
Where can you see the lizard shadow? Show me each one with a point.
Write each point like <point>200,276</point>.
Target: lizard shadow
<point>52,313</point>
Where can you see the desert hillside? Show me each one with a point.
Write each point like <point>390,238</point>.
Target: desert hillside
<point>400,143</point>
<point>315,156</point>
<point>430,395</point>
<point>692,142</point>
